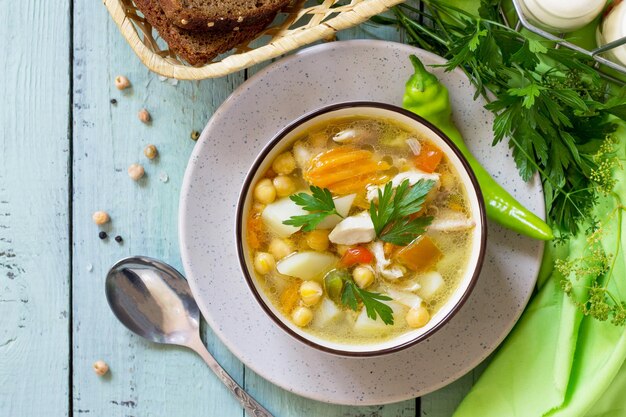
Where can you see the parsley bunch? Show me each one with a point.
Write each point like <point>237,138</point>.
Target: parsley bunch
<point>549,104</point>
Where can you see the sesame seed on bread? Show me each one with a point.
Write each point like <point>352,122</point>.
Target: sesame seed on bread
<point>203,15</point>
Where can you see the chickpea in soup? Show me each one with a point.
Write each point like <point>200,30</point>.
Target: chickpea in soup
<point>359,231</point>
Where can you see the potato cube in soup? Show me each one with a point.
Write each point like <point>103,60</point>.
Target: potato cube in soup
<point>276,213</point>
<point>307,265</point>
<point>431,282</point>
<point>365,325</point>
<point>326,313</point>
<point>343,206</point>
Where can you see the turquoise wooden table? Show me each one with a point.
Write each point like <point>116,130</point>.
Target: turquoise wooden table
<point>65,146</point>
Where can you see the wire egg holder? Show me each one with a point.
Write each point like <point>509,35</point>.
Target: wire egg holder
<point>596,54</point>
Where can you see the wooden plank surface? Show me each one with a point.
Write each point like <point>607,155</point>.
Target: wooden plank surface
<point>34,208</point>
<point>145,379</point>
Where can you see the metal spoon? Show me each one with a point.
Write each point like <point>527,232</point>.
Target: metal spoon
<point>154,300</point>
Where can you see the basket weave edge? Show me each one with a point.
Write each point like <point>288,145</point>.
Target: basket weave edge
<point>236,62</point>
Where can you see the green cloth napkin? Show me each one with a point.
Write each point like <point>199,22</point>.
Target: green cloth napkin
<point>556,361</point>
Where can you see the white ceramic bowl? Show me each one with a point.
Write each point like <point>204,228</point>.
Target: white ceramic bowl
<point>414,123</point>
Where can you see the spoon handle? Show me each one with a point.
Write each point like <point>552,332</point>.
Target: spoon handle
<point>250,404</point>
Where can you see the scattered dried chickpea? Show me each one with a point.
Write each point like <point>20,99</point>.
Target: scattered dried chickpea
<point>150,151</point>
<point>195,135</point>
<point>264,263</point>
<point>318,240</point>
<point>363,276</point>
<point>280,248</point>
<point>136,172</point>
<point>417,317</point>
<point>100,217</point>
<point>310,293</point>
<point>284,185</point>
<point>284,163</point>
<point>121,82</point>
<point>144,116</point>
<point>100,367</point>
<point>265,192</point>
<point>302,316</point>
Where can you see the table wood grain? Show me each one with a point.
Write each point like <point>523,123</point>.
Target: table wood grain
<point>64,151</point>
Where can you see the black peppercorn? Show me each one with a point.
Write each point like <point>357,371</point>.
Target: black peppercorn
<point>102,235</point>
<point>118,239</point>
<point>113,101</point>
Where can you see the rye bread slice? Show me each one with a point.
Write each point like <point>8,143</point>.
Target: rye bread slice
<point>210,15</point>
<point>197,48</point>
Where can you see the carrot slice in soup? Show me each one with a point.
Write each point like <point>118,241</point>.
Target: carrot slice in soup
<point>256,236</point>
<point>345,170</point>
<point>289,297</point>
<point>429,158</point>
<point>421,255</point>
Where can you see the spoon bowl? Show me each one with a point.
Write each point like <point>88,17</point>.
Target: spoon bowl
<point>154,300</point>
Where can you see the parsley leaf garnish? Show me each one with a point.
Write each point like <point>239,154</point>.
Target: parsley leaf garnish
<point>391,216</point>
<point>352,294</point>
<point>406,230</point>
<point>319,203</point>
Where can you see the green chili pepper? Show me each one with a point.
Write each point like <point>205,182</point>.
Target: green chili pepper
<point>427,97</point>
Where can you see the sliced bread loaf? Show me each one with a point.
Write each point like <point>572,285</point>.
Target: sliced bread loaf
<point>203,15</point>
<point>197,48</point>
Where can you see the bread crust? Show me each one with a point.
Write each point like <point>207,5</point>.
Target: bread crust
<point>220,15</point>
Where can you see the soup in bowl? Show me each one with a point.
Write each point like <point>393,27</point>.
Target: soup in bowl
<point>361,229</point>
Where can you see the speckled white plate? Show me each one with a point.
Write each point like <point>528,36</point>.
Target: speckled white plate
<point>315,77</point>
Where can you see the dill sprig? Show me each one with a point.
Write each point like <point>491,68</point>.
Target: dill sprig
<point>586,278</point>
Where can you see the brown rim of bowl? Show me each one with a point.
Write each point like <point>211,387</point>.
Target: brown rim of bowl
<point>246,186</point>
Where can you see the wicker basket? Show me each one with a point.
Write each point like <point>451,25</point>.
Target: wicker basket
<point>297,25</point>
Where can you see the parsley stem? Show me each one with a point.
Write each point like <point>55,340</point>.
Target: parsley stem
<point>442,7</point>
<point>411,25</point>
<point>444,29</point>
